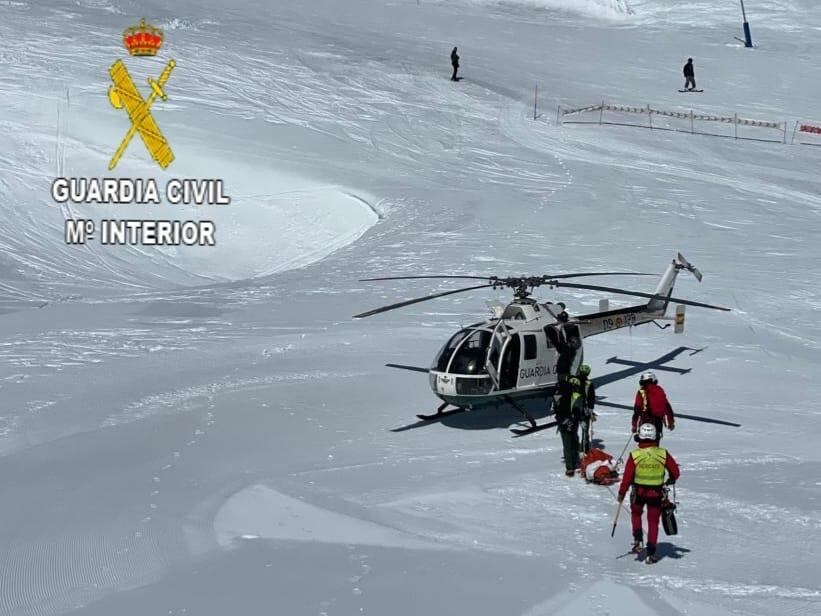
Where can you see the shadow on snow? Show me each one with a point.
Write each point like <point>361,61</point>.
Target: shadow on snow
<point>502,414</point>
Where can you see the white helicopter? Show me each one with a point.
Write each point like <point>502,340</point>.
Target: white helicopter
<point>527,347</point>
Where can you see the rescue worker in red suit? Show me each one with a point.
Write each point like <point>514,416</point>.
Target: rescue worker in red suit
<point>645,471</point>
<point>651,405</point>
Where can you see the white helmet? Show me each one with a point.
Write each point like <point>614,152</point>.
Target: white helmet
<point>647,377</point>
<point>647,432</point>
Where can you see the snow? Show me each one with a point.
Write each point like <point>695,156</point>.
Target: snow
<point>273,515</point>
<point>207,430</point>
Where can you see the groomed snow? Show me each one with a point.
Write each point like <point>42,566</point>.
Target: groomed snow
<point>209,431</point>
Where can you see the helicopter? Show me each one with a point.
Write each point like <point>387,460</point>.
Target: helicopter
<point>526,348</point>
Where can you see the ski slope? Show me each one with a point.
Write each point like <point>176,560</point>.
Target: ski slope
<point>208,431</point>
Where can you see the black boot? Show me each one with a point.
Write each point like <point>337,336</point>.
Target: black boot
<point>638,542</point>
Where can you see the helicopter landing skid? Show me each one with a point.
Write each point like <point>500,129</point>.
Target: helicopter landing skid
<point>441,413</point>
<point>534,427</point>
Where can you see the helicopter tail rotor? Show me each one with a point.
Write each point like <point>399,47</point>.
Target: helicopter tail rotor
<point>668,280</point>
<point>685,264</point>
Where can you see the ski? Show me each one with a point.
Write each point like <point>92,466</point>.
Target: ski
<point>640,553</point>
<point>639,556</point>
<point>532,429</point>
<point>691,90</point>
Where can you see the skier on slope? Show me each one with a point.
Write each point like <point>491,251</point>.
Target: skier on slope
<point>568,408</point>
<point>689,75</point>
<point>652,406</point>
<point>645,473</point>
<point>588,391</point>
<point>454,61</point>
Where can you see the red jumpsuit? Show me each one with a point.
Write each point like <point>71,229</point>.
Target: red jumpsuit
<point>651,406</point>
<point>646,495</point>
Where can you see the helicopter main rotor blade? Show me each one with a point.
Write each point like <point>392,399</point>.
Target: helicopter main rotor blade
<point>417,300</point>
<point>502,279</point>
<point>430,276</point>
<point>678,415</point>
<point>708,420</point>
<point>580,275</point>
<point>639,294</point>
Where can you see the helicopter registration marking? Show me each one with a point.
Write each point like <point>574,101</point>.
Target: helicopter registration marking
<point>620,321</point>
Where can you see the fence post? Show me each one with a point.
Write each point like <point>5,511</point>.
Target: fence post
<point>735,124</point>
<point>650,116</point>
<point>558,114</point>
<point>691,122</point>
<point>601,113</point>
<point>535,98</point>
<point>795,128</point>
<point>785,131</point>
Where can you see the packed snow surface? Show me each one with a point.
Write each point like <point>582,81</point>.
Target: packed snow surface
<point>206,430</point>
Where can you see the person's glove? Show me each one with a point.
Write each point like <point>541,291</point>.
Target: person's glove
<point>593,417</point>
<point>670,482</point>
<point>672,426</point>
<point>621,498</point>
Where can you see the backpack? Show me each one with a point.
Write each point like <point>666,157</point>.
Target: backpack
<point>668,514</point>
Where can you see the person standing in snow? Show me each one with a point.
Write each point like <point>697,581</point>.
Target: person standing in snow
<point>689,75</point>
<point>651,405</point>
<point>588,391</point>
<point>454,61</point>
<point>568,407</point>
<point>645,471</point>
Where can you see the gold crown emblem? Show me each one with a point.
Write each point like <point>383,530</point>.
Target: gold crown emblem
<point>142,39</point>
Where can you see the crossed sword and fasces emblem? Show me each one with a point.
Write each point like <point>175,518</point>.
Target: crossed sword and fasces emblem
<point>125,94</point>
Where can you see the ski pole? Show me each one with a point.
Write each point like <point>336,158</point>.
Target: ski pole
<point>626,445</point>
<point>616,497</point>
<point>616,519</point>
<point>592,414</point>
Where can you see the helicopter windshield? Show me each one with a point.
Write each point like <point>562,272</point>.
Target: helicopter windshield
<point>470,356</point>
<point>442,359</point>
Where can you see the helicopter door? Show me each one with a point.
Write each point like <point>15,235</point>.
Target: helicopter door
<point>567,340</point>
<point>509,368</point>
<point>574,341</point>
<point>497,343</point>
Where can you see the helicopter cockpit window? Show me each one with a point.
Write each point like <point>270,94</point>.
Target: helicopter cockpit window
<point>470,356</point>
<point>552,333</point>
<point>574,338</point>
<point>530,346</point>
<point>440,362</point>
<point>513,312</point>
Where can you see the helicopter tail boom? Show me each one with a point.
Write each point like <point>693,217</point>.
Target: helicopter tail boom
<point>668,280</point>
<point>656,308</point>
